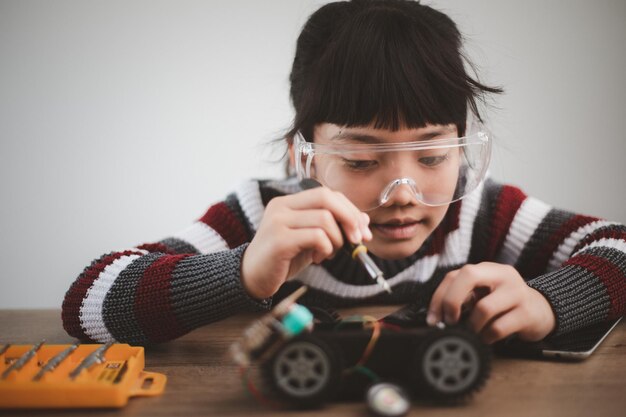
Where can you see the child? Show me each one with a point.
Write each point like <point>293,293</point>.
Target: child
<point>387,121</point>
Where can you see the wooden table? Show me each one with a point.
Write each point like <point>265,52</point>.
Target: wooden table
<point>203,382</point>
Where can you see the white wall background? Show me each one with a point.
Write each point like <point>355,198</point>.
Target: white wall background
<point>121,121</point>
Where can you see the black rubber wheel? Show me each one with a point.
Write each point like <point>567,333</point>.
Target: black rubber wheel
<point>451,365</point>
<point>305,372</point>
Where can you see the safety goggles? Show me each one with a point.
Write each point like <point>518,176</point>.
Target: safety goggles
<point>434,172</point>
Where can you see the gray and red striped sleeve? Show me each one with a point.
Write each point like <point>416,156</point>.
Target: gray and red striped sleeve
<point>159,291</point>
<point>577,262</point>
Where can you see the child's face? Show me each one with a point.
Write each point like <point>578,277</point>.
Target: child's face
<point>400,225</point>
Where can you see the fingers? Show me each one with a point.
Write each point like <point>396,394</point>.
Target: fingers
<point>352,220</point>
<point>316,214</point>
<point>296,230</point>
<point>272,258</point>
<point>314,239</point>
<point>504,326</point>
<point>323,219</point>
<point>458,287</point>
<point>499,300</point>
<point>434,309</point>
<point>491,306</point>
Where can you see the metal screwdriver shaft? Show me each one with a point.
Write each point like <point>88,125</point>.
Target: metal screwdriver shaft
<point>360,252</point>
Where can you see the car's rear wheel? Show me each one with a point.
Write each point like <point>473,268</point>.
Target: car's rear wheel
<point>304,371</point>
<point>451,365</point>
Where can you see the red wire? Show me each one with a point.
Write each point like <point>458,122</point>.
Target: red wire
<point>255,392</point>
<point>390,326</point>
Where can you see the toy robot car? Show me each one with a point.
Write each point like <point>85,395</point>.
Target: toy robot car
<point>339,359</point>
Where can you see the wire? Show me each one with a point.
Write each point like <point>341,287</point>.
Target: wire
<point>370,345</point>
<point>376,326</point>
<point>252,390</point>
<point>390,326</point>
<point>367,372</point>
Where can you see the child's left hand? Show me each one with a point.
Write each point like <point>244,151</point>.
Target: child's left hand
<point>509,306</point>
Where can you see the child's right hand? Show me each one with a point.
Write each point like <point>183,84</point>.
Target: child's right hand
<point>297,230</point>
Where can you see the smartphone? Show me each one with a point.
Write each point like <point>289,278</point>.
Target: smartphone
<point>573,346</point>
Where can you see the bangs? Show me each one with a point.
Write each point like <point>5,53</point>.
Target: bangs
<point>388,69</point>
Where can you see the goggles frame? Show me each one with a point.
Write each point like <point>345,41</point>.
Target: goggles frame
<point>306,148</point>
<point>480,137</point>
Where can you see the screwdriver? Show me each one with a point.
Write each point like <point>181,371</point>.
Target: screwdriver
<point>359,251</point>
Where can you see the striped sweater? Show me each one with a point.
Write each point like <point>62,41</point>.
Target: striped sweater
<point>159,291</point>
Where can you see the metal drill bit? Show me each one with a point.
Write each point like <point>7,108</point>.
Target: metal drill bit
<point>97,356</point>
<point>5,348</point>
<point>23,360</point>
<point>55,361</point>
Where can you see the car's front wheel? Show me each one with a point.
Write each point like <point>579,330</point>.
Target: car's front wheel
<point>450,365</point>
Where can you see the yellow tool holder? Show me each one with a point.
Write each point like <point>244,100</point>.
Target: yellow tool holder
<point>107,384</point>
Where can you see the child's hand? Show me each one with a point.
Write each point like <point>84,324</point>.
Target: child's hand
<point>509,306</point>
<point>297,230</point>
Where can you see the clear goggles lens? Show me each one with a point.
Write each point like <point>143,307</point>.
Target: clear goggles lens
<point>434,172</point>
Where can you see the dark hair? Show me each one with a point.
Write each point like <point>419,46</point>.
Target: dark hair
<point>393,63</point>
